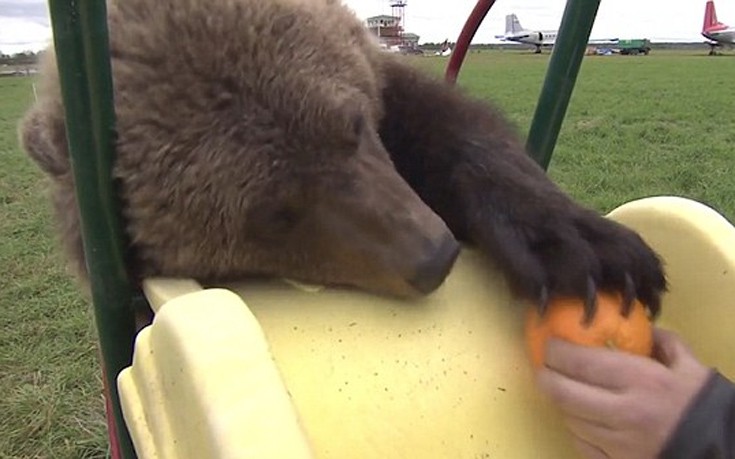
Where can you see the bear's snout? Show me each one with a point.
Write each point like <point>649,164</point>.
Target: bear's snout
<point>431,273</point>
<point>380,232</point>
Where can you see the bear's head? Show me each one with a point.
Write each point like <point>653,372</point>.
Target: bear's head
<point>252,148</point>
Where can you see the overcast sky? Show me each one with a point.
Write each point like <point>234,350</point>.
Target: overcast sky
<point>24,24</point>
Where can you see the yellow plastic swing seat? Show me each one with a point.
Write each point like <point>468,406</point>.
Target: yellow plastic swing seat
<point>278,371</point>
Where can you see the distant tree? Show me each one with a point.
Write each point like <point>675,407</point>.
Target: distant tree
<point>24,58</point>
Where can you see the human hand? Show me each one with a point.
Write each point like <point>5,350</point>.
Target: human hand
<point>620,405</point>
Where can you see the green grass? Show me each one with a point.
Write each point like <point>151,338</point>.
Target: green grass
<point>637,126</point>
<point>51,401</point>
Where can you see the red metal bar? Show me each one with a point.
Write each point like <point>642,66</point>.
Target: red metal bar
<point>465,38</point>
<point>115,451</point>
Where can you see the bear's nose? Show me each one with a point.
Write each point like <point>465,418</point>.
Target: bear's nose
<point>430,273</point>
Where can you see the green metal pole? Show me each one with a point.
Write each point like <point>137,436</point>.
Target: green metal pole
<point>571,43</point>
<point>82,51</point>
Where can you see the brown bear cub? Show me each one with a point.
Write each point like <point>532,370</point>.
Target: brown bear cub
<point>275,138</point>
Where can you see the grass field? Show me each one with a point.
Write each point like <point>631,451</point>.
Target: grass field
<point>51,401</point>
<point>637,126</point>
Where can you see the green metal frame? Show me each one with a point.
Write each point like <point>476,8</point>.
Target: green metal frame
<point>82,49</point>
<point>566,59</point>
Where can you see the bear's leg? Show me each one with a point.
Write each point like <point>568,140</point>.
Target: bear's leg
<point>466,162</point>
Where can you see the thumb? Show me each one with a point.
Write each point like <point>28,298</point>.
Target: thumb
<point>668,348</point>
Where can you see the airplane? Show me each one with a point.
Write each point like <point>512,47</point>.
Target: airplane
<point>515,32</point>
<point>715,31</point>
<point>445,49</point>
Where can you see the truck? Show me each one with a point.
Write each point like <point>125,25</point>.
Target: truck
<point>635,46</point>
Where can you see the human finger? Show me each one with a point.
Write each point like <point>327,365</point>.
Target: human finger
<point>595,366</point>
<point>588,450</point>
<point>578,399</point>
<point>668,347</point>
<point>597,440</point>
<point>691,374</point>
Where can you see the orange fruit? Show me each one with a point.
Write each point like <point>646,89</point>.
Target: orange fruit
<point>564,319</point>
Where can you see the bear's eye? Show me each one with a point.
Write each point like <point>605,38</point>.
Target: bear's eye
<point>358,124</point>
<point>283,220</point>
<point>273,224</point>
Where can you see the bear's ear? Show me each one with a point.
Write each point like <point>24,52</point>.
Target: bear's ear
<point>43,137</point>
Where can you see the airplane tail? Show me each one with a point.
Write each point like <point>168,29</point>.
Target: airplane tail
<point>710,16</point>
<point>512,24</point>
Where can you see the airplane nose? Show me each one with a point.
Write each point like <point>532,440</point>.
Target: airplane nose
<point>430,274</point>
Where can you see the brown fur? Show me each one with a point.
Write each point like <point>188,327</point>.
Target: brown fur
<point>274,138</point>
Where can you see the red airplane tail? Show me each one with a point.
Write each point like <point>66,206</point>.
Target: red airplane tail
<point>710,17</point>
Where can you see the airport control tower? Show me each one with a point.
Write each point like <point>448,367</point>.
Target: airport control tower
<point>391,29</point>
<point>398,10</point>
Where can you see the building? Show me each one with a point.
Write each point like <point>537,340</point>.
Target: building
<point>387,28</point>
<point>390,23</point>
<point>411,40</point>
<point>390,33</point>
